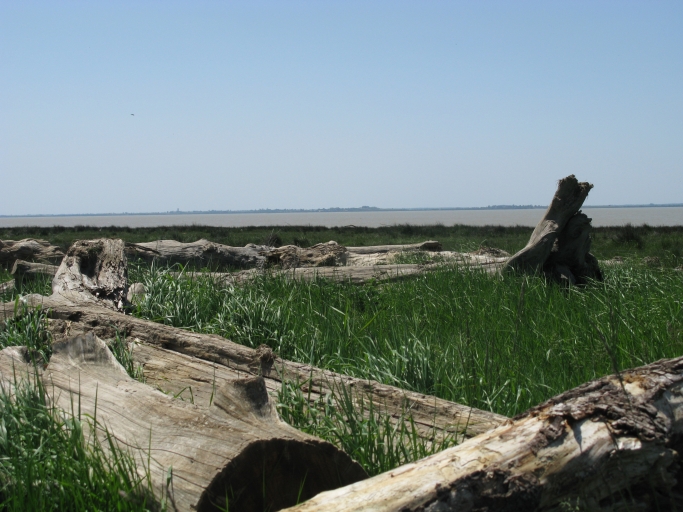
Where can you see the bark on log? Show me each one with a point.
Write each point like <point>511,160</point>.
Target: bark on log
<point>560,244</point>
<point>236,447</point>
<point>200,253</point>
<point>28,270</point>
<point>328,254</point>
<point>611,444</point>
<point>95,272</point>
<point>28,249</point>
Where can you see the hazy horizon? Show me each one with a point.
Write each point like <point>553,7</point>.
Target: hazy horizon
<point>208,105</point>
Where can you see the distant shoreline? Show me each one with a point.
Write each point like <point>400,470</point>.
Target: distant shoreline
<point>363,209</point>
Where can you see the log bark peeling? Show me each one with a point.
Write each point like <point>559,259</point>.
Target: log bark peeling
<point>610,444</point>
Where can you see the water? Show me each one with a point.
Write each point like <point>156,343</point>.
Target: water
<point>655,216</point>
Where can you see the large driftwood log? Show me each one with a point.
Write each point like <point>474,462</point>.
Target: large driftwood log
<point>611,444</point>
<point>175,359</point>
<point>199,253</point>
<point>238,447</point>
<point>28,249</point>
<point>560,244</point>
<point>189,359</point>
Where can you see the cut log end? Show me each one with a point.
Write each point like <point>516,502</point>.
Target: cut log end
<point>279,473</point>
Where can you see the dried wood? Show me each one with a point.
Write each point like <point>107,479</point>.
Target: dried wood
<point>200,253</point>
<point>189,359</point>
<point>328,254</point>
<point>610,444</point>
<point>95,272</point>
<point>28,270</point>
<point>28,249</point>
<point>429,245</point>
<point>559,245</point>
<point>224,449</point>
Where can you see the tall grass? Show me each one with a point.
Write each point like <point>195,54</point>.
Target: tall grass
<point>358,426</point>
<point>502,344</point>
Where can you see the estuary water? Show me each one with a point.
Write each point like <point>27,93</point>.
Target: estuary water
<point>654,216</point>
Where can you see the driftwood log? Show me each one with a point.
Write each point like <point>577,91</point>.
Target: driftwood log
<point>611,444</point>
<point>175,359</point>
<point>328,254</point>
<point>201,253</point>
<point>213,452</point>
<point>23,270</point>
<point>429,245</point>
<point>30,250</point>
<point>559,245</point>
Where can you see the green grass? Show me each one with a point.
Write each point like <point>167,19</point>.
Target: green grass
<point>501,344</point>
<point>374,439</point>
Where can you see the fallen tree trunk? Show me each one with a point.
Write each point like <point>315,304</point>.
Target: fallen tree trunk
<point>201,253</point>
<point>177,359</point>
<point>27,270</point>
<point>328,254</point>
<point>559,245</point>
<point>236,448</point>
<point>610,444</point>
<point>30,250</point>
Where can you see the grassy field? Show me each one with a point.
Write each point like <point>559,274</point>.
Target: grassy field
<point>501,344</point>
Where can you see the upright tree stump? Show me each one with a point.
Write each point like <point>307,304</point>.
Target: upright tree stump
<point>560,245</point>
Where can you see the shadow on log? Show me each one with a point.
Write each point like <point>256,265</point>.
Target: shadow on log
<point>560,245</point>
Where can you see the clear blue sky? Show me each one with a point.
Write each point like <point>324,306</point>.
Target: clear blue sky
<point>291,104</point>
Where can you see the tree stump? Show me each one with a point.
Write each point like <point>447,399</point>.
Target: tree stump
<point>559,247</point>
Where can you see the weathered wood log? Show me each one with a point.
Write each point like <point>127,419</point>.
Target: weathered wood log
<point>429,245</point>
<point>238,447</point>
<point>200,253</point>
<point>195,356</point>
<point>22,270</point>
<point>559,245</point>
<point>328,254</point>
<point>94,271</point>
<point>30,250</point>
<point>611,444</point>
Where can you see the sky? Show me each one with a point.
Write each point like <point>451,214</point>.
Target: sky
<point>318,104</point>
